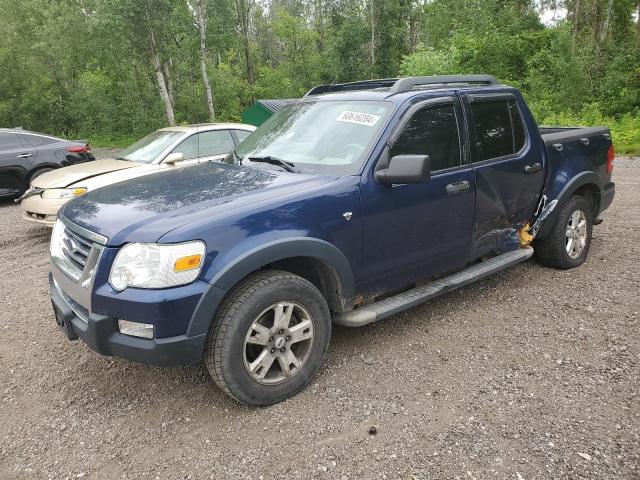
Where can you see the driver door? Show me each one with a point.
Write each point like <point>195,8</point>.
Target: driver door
<point>414,232</point>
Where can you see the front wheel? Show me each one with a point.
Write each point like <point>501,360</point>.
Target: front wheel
<point>567,245</point>
<point>269,338</point>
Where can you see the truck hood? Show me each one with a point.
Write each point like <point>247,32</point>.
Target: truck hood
<point>146,208</point>
<point>63,177</point>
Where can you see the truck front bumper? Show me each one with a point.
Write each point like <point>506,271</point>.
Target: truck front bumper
<point>101,333</point>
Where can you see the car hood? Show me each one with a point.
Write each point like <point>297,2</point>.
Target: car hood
<point>63,177</point>
<point>146,208</point>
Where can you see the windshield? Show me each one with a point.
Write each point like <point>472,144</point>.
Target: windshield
<point>147,149</point>
<point>327,137</point>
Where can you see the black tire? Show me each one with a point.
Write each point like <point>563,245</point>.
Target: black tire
<point>552,251</point>
<point>35,175</point>
<point>224,354</point>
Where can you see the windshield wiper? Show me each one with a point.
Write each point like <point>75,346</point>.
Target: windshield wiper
<point>288,166</point>
<point>122,158</point>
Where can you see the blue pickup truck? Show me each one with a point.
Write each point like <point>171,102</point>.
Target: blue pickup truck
<point>356,202</point>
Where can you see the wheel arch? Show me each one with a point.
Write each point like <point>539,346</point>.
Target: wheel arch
<point>316,260</point>
<point>37,168</point>
<point>586,184</point>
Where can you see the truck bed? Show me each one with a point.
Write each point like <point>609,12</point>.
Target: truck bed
<point>558,135</point>
<point>574,152</point>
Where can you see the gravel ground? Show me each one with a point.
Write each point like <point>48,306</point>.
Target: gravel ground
<point>529,374</point>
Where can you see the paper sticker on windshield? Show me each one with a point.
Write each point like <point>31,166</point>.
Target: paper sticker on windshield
<point>367,119</point>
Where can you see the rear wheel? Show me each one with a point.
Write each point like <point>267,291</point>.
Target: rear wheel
<point>37,173</point>
<point>269,338</point>
<point>567,245</point>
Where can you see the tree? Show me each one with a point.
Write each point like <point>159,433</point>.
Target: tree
<point>243,13</point>
<point>201,20</point>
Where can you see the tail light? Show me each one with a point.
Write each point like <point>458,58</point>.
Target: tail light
<point>80,149</point>
<point>610,154</point>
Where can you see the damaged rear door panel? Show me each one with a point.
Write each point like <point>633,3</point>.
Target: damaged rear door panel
<point>509,165</point>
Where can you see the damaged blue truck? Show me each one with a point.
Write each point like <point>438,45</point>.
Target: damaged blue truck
<point>351,204</point>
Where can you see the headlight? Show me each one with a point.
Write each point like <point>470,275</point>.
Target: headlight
<point>149,265</point>
<point>56,239</point>
<point>57,193</point>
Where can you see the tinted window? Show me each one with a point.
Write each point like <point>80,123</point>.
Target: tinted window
<point>205,144</point>
<point>434,132</point>
<point>499,129</point>
<point>518,127</point>
<point>9,141</point>
<point>37,140</point>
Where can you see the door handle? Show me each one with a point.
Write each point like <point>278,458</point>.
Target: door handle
<point>25,155</point>
<point>536,167</point>
<point>458,187</point>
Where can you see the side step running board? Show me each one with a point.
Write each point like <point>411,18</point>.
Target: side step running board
<point>402,301</point>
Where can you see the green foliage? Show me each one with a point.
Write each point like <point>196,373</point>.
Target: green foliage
<point>86,68</point>
<point>625,129</point>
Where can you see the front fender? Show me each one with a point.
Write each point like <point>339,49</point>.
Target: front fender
<point>227,271</point>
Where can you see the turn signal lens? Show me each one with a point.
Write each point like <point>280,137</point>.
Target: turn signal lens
<point>187,263</point>
<point>78,191</point>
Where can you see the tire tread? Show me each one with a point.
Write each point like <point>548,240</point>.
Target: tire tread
<point>217,346</point>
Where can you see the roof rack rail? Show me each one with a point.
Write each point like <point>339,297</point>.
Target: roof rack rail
<point>359,85</point>
<point>398,85</point>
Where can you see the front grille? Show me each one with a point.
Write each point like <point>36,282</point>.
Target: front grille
<point>76,248</point>
<point>76,251</point>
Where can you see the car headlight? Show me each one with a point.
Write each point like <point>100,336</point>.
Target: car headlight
<point>149,265</point>
<point>57,193</point>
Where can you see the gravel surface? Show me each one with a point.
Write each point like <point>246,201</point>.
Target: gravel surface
<point>532,373</point>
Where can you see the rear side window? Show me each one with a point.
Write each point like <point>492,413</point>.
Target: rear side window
<point>9,141</point>
<point>38,140</point>
<point>499,129</point>
<point>432,131</point>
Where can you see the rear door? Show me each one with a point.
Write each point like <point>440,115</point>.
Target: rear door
<point>15,162</point>
<point>415,231</point>
<point>509,170</point>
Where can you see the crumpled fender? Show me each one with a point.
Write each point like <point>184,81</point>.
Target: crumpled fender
<point>563,196</point>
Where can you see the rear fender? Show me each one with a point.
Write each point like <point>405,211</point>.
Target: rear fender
<point>565,193</point>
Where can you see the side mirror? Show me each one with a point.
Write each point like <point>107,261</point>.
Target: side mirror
<point>173,158</point>
<point>405,169</point>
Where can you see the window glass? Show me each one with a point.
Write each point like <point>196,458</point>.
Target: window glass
<point>518,127</point>
<point>147,149</point>
<point>189,147</point>
<point>499,129</point>
<point>242,134</point>
<point>9,141</point>
<point>434,132</point>
<point>215,142</point>
<point>326,137</point>
<point>494,137</point>
<point>206,144</point>
<point>38,140</point>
